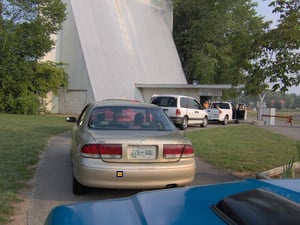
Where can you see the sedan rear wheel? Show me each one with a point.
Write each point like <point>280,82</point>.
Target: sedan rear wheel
<point>78,189</point>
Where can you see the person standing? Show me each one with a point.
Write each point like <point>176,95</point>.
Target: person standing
<point>206,105</point>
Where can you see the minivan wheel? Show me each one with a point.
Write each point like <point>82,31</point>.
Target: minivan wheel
<point>184,123</point>
<point>205,122</point>
<point>78,189</point>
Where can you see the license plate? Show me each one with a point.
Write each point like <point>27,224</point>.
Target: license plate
<point>142,152</point>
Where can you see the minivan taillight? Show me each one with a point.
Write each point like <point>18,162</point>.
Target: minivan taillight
<point>178,113</point>
<point>104,151</point>
<point>174,151</point>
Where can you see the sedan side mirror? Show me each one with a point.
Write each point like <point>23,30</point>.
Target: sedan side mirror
<point>71,119</point>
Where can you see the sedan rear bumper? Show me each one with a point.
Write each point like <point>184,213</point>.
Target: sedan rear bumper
<point>135,175</point>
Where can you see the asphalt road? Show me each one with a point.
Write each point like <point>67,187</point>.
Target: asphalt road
<point>52,184</point>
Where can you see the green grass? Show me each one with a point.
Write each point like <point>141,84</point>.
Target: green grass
<point>22,139</point>
<point>243,149</point>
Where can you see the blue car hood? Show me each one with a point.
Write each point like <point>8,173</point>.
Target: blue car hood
<point>185,206</point>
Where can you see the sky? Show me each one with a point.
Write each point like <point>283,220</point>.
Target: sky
<point>266,11</point>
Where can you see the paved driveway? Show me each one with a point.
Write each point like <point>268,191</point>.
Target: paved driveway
<point>285,129</point>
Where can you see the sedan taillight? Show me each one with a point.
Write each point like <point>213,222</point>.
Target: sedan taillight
<point>176,151</point>
<point>104,151</point>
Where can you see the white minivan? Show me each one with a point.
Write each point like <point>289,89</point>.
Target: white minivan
<point>182,110</point>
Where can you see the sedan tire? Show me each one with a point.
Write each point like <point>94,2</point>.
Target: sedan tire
<point>78,189</point>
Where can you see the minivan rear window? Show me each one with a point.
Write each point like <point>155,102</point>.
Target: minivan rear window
<point>165,101</point>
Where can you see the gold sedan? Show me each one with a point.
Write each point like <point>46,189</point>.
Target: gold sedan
<point>128,145</point>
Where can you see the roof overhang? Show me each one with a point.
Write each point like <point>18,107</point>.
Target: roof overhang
<point>146,91</point>
<point>190,86</point>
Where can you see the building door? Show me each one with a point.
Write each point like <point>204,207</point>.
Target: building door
<point>75,101</point>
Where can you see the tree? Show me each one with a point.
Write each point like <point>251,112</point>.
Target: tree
<point>225,41</point>
<point>216,40</point>
<point>25,38</point>
<point>280,57</point>
<point>297,103</point>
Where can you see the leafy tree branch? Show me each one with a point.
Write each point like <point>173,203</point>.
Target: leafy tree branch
<point>25,38</point>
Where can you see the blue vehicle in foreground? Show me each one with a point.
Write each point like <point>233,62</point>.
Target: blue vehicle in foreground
<point>250,201</point>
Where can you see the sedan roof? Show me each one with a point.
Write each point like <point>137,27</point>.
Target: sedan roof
<point>123,102</point>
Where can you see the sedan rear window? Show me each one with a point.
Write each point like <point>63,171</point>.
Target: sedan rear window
<point>129,118</point>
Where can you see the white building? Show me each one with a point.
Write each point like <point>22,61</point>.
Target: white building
<point>119,49</point>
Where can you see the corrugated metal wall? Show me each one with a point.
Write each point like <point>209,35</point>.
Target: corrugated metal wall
<point>69,51</point>
<point>109,45</point>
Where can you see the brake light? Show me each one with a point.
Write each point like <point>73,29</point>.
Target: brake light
<point>104,151</point>
<point>178,151</point>
<point>220,111</point>
<point>178,113</point>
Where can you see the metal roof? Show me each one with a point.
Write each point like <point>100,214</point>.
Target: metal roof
<point>126,42</point>
<point>187,86</point>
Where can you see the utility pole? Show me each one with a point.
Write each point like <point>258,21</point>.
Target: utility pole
<point>1,3</point>
<point>261,105</point>
<point>1,9</point>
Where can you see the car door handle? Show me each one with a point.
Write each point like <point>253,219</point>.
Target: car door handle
<point>196,111</point>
